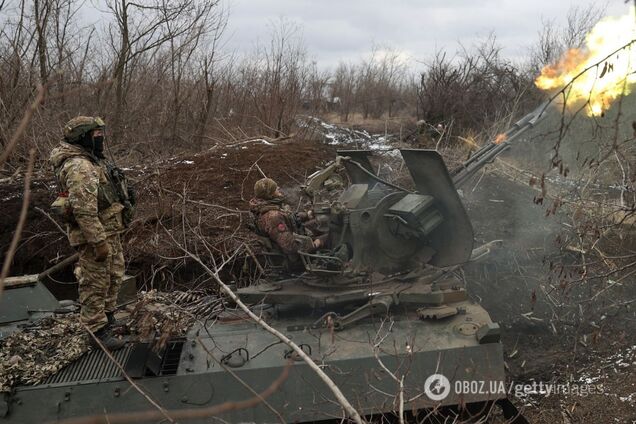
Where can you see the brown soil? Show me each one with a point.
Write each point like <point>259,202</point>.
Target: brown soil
<point>221,177</point>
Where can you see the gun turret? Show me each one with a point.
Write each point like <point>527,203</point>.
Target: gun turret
<point>490,151</point>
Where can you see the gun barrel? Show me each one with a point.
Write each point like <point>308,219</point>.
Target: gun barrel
<point>490,151</point>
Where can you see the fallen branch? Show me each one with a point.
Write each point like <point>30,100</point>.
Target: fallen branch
<point>341,399</point>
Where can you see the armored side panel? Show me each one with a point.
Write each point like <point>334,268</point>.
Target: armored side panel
<point>20,304</point>
<point>453,238</point>
<point>233,360</point>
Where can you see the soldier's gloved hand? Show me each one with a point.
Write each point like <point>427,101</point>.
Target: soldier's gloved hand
<point>101,251</point>
<point>302,216</point>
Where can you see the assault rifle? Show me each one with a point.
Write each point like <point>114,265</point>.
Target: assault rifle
<point>125,194</point>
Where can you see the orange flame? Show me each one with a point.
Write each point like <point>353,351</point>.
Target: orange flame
<point>500,138</point>
<point>595,73</point>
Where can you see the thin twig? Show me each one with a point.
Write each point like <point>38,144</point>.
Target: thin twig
<point>399,381</point>
<point>163,412</point>
<point>197,202</point>
<point>50,218</point>
<point>251,253</point>
<point>39,98</point>
<point>342,400</point>
<point>8,259</point>
<point>249,171</point>
<point>241,382</point>
<point>185,414</point>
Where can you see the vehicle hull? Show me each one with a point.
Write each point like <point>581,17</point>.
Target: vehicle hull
<point>206,376</point>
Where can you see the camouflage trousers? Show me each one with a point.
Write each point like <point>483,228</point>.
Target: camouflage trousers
<point>99,282</point>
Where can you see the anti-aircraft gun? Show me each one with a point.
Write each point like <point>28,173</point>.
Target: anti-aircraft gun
<point>378,228</point>
<point>387,296</point>
<point>394,253</point>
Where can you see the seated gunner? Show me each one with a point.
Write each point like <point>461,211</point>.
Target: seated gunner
<point>274,222</point>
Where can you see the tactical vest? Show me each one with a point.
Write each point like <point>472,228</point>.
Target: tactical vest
<point>107,194</point>
<point>253,223</point>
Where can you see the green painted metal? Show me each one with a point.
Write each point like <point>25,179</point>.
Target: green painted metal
<point>406,345</point>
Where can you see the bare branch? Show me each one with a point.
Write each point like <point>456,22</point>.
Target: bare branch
<point>183,414</point>
<point>342,400</point>
<point>26,197</point>
<point>17,135</point>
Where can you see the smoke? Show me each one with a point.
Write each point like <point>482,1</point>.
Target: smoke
<point>541,200</point>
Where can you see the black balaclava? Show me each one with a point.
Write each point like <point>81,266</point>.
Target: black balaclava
<point>94,145</point>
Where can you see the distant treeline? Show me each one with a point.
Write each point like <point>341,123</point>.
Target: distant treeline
<point>157,71</point>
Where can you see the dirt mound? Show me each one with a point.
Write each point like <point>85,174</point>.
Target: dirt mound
<point>208,191</point>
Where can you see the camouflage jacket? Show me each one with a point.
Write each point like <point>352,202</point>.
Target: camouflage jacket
<point>82,179</point>
<point>273,222</point>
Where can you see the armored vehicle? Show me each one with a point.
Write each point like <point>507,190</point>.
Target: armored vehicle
<point>384,312</point>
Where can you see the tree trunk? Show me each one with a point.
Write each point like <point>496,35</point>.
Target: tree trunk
<point>120,67</point>
<point>41,16</point>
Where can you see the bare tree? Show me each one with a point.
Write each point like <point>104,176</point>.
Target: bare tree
<point>343,89</point>
<point>211,71</point>
<point>139,29</point>
<point>285,69</point>
<point>554,40</point>
<point>66,46</point>
<point>41,10</point>
<point>474,91</point>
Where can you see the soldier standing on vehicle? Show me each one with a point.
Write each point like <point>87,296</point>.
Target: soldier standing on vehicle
<point>274,222</point>
<point>97,205</point>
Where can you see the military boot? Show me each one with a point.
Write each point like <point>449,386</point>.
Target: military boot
<point>107,339</point>
<point>114,322</point>
<point>116,326</point>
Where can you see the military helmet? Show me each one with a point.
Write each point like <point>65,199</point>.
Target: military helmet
<point>265,188</point>
<point>75,129</point>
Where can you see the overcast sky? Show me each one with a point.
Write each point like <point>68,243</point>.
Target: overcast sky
<point>346,30</point>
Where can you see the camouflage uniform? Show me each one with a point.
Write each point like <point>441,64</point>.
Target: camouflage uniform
<point>273,222</point>
<point>90,204</point>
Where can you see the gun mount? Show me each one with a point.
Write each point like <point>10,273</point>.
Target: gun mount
<point>395,253</point>
<point>390,246</point>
